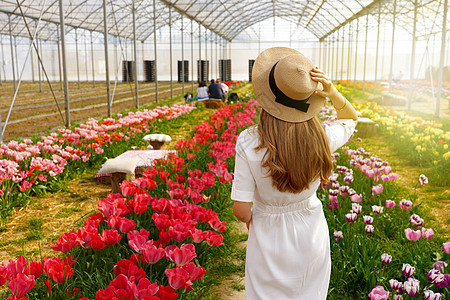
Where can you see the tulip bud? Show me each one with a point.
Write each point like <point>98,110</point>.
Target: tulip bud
<point>356,208</point>
<point>415,220</point>
<point>411,286</point>
<point>377,209</point>
<point>395,284</point>
<point>351,217</point>
<point>435,276</point>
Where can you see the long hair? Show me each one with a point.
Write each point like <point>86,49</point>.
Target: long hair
<point>297,153</point>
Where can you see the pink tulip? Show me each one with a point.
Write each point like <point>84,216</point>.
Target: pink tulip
<point>379,293</point>
<point>390,203</point>
<point>178,278</point>
<point>393,176</point>
<point>427,233</point>
<point>415,220</point>
<point>181,256</point>
<point>356,208</point>
<point>377,189</point>
<point>446,247</point>
<point>151,253</point>
<point>356,198</point>
<point>412,235</point>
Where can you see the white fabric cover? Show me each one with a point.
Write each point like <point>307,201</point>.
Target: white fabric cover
<point>119,165</point>
<point>288,249</point>
<point>157,137</point>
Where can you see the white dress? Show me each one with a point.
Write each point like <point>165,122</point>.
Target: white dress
<point>288,248</point>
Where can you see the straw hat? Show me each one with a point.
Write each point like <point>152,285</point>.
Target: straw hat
<point>283,85</point>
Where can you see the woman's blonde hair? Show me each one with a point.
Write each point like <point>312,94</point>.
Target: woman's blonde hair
<point>297,153</point>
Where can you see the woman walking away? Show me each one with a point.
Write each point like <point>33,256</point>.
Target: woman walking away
<point>202,91</point>
<point>280,163</point>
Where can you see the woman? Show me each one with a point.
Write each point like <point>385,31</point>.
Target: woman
<point>202,91</point>
<point>280,163</point>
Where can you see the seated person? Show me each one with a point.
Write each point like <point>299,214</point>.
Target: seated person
<point>224,87</point>
<point>202,91</point>
<point>215,91</point>
<point>188,97</point>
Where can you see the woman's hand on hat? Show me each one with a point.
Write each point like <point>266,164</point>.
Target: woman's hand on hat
<point>328,87</point>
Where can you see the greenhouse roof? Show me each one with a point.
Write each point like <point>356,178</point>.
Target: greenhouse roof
<point>225,18</point>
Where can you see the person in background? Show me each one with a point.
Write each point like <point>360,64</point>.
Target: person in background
<point>188,97</point>
<point>224,87</point>
<point>202,91</point>
<point>215,91</point>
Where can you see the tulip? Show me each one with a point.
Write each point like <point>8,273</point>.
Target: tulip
<point>412,235</point>
<point>408,270</point>
<point>178,278</point>
<point>369,228</point>
<point>430,295</point>
<point>21,284</point>
<point>377,209</point>
<point>379,293</point>
<point>378,189</point>
<point>435,276</point>
<point>367,220</point>
<point>446,247</point>
<point>356,208</point>
<point>411,286</point>
<point>181,256</point>
<point>415,220</point>
<point>356,198</point>
<point>333,205</point>
<point>445,283</point>
<point>338,235</point>
<point>390,203</point>
<point>386,258</point>
<point>440,265</point>
<point>405,204</point>
<point>423,179</point>
<point>351,217</point>
<point>395,284</point>
<point>166,292</point>
<point>151,253</point>
<point>145,289</point>
<point>427,233</point>
<point>194,272</point>
<point>397,297</point>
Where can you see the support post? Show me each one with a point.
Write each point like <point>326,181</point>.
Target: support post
<point>192,56</point>
<point>156,54</point>
<point>136,83</point>
<point>182,53</point>
<point>337,56</point>
<point>39,46</point>
<point>342,56</point>
<point>171,54</point>
<point>349,52</point>
<point>356,50</point>
<point>413,52</point>
<point>59,61</point>
<point>329,57</point>
<point>17,58</point>
<point>365,53</point>
<point>76,51</point>
<point>92,61</point>
<point>32,61</point>
<point>105,33</point>
<point>86,57</point>
<point>441,59</point>
<point>64,62</point>
<point>392,47</point>
<point>378,43</point>
<point>12,52</point>
<point>332,59</point>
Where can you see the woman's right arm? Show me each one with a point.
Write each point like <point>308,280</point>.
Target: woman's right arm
<point>344,108</point>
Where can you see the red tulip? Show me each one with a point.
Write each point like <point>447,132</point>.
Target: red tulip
<point>16,266</point>
<point>161,205</point>
<point>179,232</point>
<point>110,237</point>
<point>182,255</point>
<point>166,293</point>
<point>145,289</point>
<point>66,242</point>
<point>58,270</point>
<point>178,278</point>
<point>161,221</point>
<point>194,271</point>
<point>21,284</point>
<point>197,235</point>
<point>97,243</point>
<point>4,275</point>
<point>214,239</point>
<point>121,223</point>
<point>129,269</point>
<point>127,188</point>
<point>35,269</point>
<point>151,253</point>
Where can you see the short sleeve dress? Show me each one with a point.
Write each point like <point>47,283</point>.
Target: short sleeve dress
<point>288,248</point>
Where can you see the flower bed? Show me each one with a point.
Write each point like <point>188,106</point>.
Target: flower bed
<point>380,244</point>
<point>29,167</point>
<point>422,142</point>
<point>142,242</point>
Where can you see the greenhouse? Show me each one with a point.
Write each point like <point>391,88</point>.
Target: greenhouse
<point>126,143</point>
